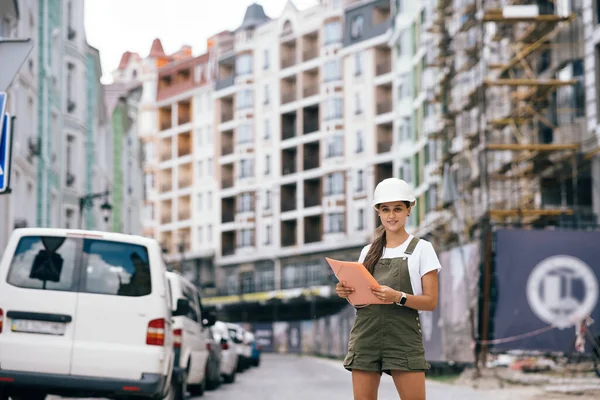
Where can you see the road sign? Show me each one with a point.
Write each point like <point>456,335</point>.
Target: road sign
<point>13,53</point>
<point>5,146</point>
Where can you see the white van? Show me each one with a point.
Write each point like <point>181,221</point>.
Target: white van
<point>84,314</point>
<point>191,343</point>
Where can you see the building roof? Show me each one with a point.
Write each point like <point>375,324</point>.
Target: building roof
<point>157,49</point>
<point>255,15</point>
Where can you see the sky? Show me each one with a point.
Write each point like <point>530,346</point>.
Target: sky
<point>117,26</point>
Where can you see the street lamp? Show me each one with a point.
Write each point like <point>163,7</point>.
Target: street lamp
<point>88,201</point>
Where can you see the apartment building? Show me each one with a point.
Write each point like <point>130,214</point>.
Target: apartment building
<point>417,124</point>
<point>59,102</point>
<point>304,121</point>
<point>591,142</point>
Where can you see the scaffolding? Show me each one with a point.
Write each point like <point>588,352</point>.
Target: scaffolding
<point>511,95</point>
<point>510,88</point>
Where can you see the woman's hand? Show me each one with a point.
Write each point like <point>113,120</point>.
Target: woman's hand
<point>343,291</point>
<point>386,294</point>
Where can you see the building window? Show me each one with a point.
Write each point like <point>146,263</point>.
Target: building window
<point>200,201</point>
<point>268,235</point>
<point>243,64</point>
<point>334,222</point>
<point>332,70</point>
<point>266,101</point>
<point>360,181</point>
<point>244,134</point>
<point>267,164</point>
<point>209,200</point>
<point>357,26</point>
<point>210,167</point>
<point>335,146</point>
<point>334,184</point>
<point>244,203</point>
<point>245,238</point>
<point>357,103</point>
<point>332,32</point>
<point>333,109</point>
<point>360,219</point>
<point>267,129</point>
<point>246,168</point>
<point>359,141</point>
<point>266,59</point>
<point>358,63</point>
<point>244,99</point>
<point>200,235</point>
<point>209,233</point>
<point>268,200</point>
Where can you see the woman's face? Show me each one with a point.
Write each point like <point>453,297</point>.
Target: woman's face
<point>393,215</point>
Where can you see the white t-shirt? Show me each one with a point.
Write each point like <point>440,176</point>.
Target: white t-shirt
<point>420,262</point>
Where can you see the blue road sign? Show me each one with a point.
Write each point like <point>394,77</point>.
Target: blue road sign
<point>5,146</point>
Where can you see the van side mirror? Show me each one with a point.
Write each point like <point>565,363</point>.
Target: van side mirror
<point>183,307</point>
<point>209,319</point>
<point>223,341</point>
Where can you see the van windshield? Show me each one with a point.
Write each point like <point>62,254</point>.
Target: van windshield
<point>105,267</point>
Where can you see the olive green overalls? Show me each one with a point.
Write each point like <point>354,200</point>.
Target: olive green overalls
<point>388,337</point>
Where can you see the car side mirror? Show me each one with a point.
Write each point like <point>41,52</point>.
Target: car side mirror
<point>183,307</point>
<point>209,319</point>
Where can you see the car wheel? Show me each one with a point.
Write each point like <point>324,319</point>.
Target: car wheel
<point>27,396</point>
<point>229,378</point>
<point>198,390</point>
<point>180,392</point>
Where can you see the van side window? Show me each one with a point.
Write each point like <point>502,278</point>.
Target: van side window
<point>116,268</point>
<point>44,262</point>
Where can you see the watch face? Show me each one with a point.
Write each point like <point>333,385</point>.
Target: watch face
<point>403,300</point>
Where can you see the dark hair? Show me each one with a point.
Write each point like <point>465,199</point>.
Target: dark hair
<point>376,250</point>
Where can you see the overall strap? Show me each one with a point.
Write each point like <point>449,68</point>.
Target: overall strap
<point>412,245</point>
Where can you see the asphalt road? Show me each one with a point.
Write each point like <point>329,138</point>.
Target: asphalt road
<point>300,378</point>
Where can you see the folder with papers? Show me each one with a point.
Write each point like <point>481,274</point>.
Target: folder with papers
<point>356,276</point>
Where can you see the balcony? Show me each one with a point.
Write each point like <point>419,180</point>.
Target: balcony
<point>288,90</point>
<point>184,212</point>
<point>227,142</point>
<point>313,229</point>
<point>166,180</point>
<point>312,193</point>
<point>287,53</point>
<point>224,83</point>
<point>166,211</point>
<point>311,156</point>
<point>228,243</point>
<point>310,44</point>
<point>165,118</point>
<point>383,60</point>
<point>288,125</point>
<point>310,119</point>
<point>184,112</point>
<point>384,107</point>
<point>288,197</point>
<point>226,109</point>
<point>186,176</point>
<point>289,233</point>
<point>311,90</point>
<point>288,161</point>
<point>385,138</point>
<point>227,210</point>
<point>165,149</point>
<point>184,144</point>
<point>227,176</point>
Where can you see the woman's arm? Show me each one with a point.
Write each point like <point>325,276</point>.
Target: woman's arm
<point>426,302</point>
<point>429,299</point>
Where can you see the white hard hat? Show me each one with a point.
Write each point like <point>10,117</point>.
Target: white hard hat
<point>393,189</point>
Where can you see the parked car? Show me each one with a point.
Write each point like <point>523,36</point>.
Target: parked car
<point>190,340</point>
<point>84,314</point>
<point>242,346</point>
<point>255,350</point>
<point>213,379</point>
<point>229,355</point>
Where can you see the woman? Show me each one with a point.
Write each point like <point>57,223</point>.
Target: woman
<point>387,337</point>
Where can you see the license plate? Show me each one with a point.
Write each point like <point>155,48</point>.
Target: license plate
<point>44,327</point>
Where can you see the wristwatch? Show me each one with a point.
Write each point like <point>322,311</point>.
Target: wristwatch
<point>402,300</point>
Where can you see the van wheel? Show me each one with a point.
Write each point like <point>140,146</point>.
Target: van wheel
<point>27,396</point>
<point>198,390</point>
